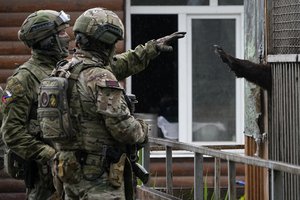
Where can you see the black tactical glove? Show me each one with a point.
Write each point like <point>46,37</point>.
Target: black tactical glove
<point>163,44</point>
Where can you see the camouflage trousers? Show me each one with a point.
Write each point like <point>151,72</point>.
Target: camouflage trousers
<point>93,190</point>
<point>43,186</point>
<point>39,192</point>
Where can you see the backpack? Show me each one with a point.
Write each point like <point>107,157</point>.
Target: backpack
<point>53,103</point>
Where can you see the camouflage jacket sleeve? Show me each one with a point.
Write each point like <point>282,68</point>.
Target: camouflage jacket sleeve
<point>133,61</point>
<point>112,106</point>
<point>17,102</point>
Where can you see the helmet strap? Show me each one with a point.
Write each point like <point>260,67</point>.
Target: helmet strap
<point>58,43</point>
<point>63,45</point>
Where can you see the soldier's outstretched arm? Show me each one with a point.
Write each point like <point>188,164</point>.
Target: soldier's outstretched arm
<point>134,61</point>
<point>259,74</point>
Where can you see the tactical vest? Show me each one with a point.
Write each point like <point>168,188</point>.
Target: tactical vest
<point>2,146</point>
<point>39,74</point>
<point>78,127</point>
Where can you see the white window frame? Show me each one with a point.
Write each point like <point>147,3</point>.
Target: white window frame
<point>185,87</point>
<point>185,14</point>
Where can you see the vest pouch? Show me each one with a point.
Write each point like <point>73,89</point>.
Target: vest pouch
<point>51,123</point>
<point>53,110</point>
<point>116,172</point>
<point>14,165</point>
<point>67,168</point>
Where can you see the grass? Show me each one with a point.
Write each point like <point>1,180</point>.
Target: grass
<point>205,191</point>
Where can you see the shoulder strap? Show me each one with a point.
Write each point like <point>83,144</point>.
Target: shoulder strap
<point>71,71</point>
<point>75,71</point>
<point>36,71</point>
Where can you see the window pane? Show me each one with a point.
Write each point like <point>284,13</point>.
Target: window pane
<point>213,85</point>
<point>169,2</point>
<point>156,87</point>
<point>231,2</point>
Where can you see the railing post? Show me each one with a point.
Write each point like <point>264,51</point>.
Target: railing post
<point>276,184</point>
<point>146,158</point>
<point>169,170</point>
<point>277,169</point>
<point>198,176</point>
<point>231,180</point>
<point>217,178</point>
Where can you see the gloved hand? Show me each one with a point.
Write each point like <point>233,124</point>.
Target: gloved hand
<point>163,44</point>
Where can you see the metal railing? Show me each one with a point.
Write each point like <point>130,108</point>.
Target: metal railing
<point>276,169</point>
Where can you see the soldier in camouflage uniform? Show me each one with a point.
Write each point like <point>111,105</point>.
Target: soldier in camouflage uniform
<point>44,32</point>
<point>93,164</point>
<point>2,146</point>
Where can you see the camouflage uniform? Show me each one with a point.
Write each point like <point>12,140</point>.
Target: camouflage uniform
<point>2,146</point>
<point>20,129</point>
<point>102,120</point>
<point>100,115</point>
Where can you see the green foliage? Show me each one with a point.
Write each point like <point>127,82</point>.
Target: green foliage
<point>212,196</point>
<point>226,196</point>
<point>140,155</point>
<point>205,189</point>
<point>154,182</point>
<point>190,196</point>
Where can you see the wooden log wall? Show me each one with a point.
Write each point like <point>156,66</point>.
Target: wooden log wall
<point>13,52</point>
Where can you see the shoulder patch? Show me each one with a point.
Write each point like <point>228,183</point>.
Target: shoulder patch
<point>101,78</point>
<point>112,83</point>
<point>13,89</point>
<point>7,97</point>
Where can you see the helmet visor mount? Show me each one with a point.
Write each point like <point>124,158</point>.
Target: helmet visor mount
<point>108,33</point>
<point>62,18</point>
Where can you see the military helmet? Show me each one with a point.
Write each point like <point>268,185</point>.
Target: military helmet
<point>100,24</point>
<point>42,24</point>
